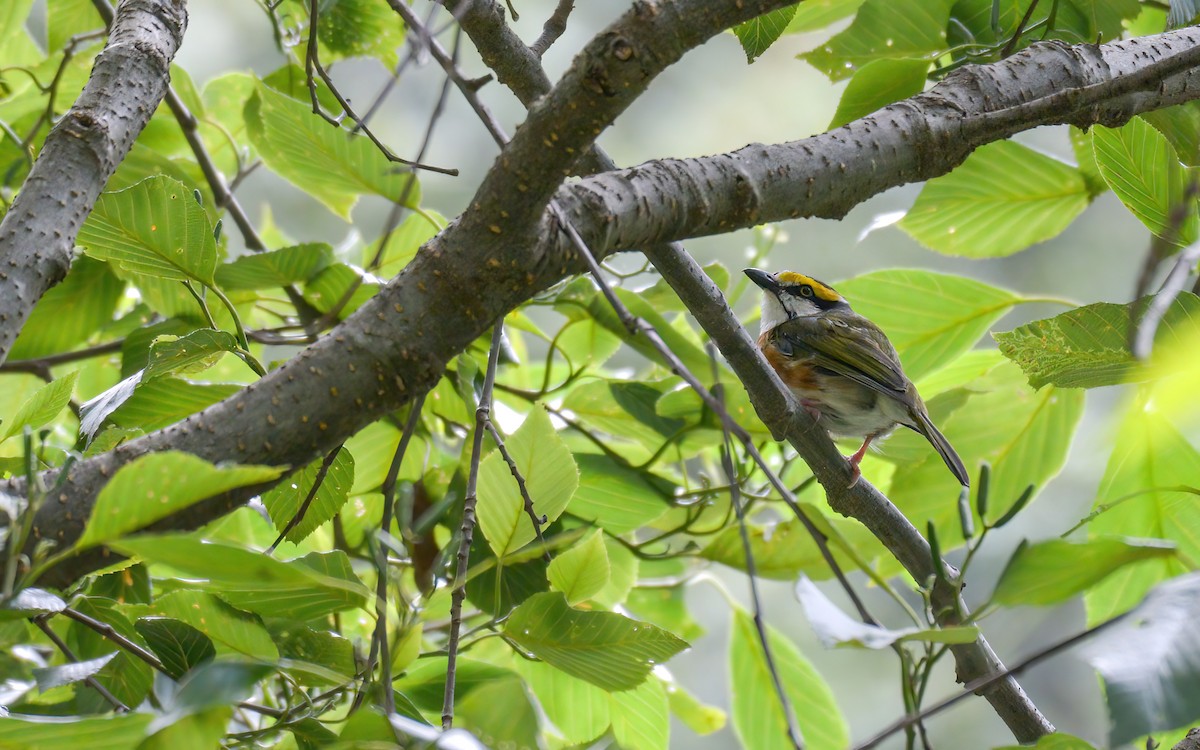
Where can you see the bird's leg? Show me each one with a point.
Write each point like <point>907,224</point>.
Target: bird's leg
<point>856,459</point>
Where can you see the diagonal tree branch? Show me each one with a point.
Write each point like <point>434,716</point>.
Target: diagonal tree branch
<point>129,79</point>
<point>397,344</point>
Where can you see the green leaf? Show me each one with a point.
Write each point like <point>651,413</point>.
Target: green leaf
<point>196,731</point>
<point>1056,741</point>
<point>66,18</point>
<point>759,720</point>
<point>318,656</point>
<point>195,352</point>
<point>230,630</point>
<point>757,34</point>
<point>1088,347</point>
<point>117,732</point>
<point>330,164</point>
<point>1138,497</point>
<point>1002,199</point>
<point>1143,170</point>
<point>339,287</point>
<point>291,265</point>
<point>360,28</point>
<point>684,347</point>
<point>70,312</point>
<point>1025,435</point>
<point>579,709</point>
<point>1180,125</point>
<point>158,485</point>
<point>914,29</point>
<point>604,648</point>
<point>640,718</point>
<point>43,406</point>
<point>581,571</point>
<point>1150,663</point>
<point>550,475</point>
<point>931,318</point>
<point>302,588</point>
<point>154,228</point>
<point>817,14</point>
<point>616,498</point>
<point>1049,572</point>
<point>781,550</point>
<point>178,645</point>
<point>284,500</point>
<point>700,718</point>
<point>401,244</point>
<point>878,84</point>
<point>500,711</point>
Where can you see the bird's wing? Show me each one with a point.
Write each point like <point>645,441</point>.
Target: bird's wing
<point>856,349</point>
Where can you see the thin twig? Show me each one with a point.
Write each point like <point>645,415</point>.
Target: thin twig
<point>298,516</point>
<point>1172,287</point>
<point>379,641</point>
<point>43,364</point>
<point>312,62</point>
<point>760,626</point>
<point>107,631</point>
<point>973,687</point>
<point>537,521</point>
<point>467,528</point>
<point>90,680</point>
<point>1012,43</point>
<point>554,27</point>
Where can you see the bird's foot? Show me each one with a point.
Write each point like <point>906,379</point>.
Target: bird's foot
<point>812,407</point>
<point>856,459</point>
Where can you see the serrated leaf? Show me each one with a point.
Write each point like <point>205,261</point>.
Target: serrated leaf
<point>579,709</point>
<point>931,318</point>
<point>332,165</point>
<point>1088,347</point>
<point>154,228</point>
<point>878,84</point>
<point>230,630</point>
<point>1143,170</point>
<point>757,34</point>
<point>640,719</point>
<point>836,629</point>
<point>614,497</point>
<point>195,352</point>
<point>1151,663</point>
<point>291,265</point>
<point>157,485</point>
<point>43,406</point>
<point>1025,435</point>
<point>179,646</point>
<point>283,501</point>
<point>884,28</point>
<point>49,678</point>
<point>1004,198</point>
<point>758,718</point>
<point>30,602</point>
<point>581,571</point>
<point>303,588</point>
<point>1180,125</point>
<point>71,311</point>
<point>1056,741</point>
<point>1056,569</point>
<point>550,475</point>
<point>604,648</point>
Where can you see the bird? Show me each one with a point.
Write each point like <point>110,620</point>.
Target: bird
<point>841,366</point>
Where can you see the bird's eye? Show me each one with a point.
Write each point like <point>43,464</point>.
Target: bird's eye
<point>806,291</point>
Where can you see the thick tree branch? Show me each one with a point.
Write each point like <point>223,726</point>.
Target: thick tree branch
<point>129,79</point>
<point>396,345</point>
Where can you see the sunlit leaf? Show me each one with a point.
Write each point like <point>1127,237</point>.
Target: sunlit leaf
<point>42,407</point>
<point>878,84</point>
<point>604,648</point>
<point>582,570</point>
<point>757,34</point>
<point>884,28</point>
<point>284,501</point>
<point>1002,199</point>
<point>1056,569</point>
<point>155,228</point>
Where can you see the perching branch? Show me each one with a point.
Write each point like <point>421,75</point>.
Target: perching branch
<point>129,79</point>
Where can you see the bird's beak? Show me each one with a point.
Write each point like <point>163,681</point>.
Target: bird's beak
<point>767,281</point>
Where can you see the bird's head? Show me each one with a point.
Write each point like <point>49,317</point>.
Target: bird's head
<point>788,295</point>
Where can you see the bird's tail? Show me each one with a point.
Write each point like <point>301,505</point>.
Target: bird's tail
<point>943,447</point>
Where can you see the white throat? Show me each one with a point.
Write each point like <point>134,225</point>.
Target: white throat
<point>773,313</point>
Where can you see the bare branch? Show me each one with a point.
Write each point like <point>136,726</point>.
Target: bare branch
<point>554,27</point>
